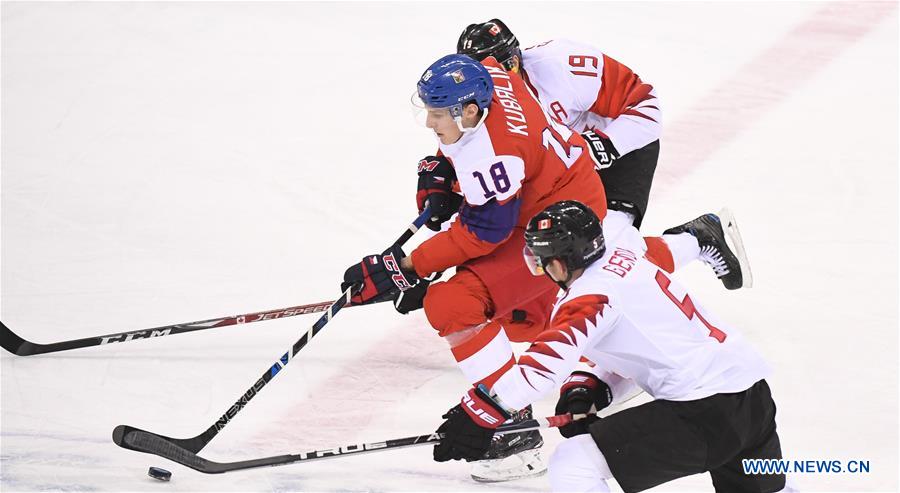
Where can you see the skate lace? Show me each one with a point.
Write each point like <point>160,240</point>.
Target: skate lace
<point>711,256</point>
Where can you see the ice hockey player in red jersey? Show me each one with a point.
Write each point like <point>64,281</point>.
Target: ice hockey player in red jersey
<point>498,148</point>
<point>712,406</point>
<point>620,116</point>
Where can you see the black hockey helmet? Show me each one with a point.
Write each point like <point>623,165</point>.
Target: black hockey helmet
<point>491,38</point>
<point>568,231</point>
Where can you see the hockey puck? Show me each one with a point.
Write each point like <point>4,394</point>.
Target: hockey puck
<point>159,473</point>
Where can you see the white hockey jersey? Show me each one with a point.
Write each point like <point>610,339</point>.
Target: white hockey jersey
<point>585,89</point>
<point>626,316</point>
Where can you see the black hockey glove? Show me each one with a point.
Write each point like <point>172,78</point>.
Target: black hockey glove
<point>582,393</point>
<point>379,277</point>
<point>435,190</point>
<point>469,427</point>
<point>605,154</point>
<point>413,298</point>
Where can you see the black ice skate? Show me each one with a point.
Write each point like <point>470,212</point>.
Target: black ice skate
<point>513,455</point>
<point>721,247</point>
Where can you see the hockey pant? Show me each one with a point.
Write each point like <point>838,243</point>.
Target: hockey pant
<point>627,182</point>
<point>660,441</point>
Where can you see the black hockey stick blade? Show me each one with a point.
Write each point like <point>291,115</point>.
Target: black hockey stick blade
<point>123,435</point>
<point>151,443</point>
<point>13,343</point>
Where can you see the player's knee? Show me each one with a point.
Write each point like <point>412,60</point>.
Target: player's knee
<point>451,307</point>
<point>578,465</point>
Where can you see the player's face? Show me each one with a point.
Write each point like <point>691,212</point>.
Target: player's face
<point>443,125</point>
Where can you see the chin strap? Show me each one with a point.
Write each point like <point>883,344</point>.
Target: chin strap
<point>562,284</point>
<point>458,121</point>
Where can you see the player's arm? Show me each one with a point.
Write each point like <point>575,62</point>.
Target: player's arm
<point>556,352</point>
<point>492,193</point>
<point>634,108</point>
<point>543,367</point>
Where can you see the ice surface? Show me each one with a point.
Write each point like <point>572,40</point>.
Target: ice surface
<point>168,162</point>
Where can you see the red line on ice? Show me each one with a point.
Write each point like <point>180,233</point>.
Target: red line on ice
<point>763,83</point>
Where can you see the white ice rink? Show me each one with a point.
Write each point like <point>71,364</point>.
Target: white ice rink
<point>170,162</point>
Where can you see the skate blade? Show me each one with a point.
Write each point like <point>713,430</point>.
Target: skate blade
<point>527,464</point>
<point>736,243</point>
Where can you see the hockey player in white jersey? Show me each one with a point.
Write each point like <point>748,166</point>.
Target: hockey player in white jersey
<point>620,116</point>
<point>712,406</point>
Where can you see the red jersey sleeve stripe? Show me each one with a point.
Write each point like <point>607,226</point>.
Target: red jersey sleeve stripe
<point>491,379</point>
<point>527,360</point>
<point>620,90</point>
<point>545,349</point>
<point>638,114</point>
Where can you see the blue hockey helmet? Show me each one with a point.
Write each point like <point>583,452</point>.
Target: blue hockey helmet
<point>453,81</point>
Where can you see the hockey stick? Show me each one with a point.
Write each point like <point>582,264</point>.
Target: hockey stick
<point>154,444</point>
<point>15,344</point>
<point>122,433</point>
<point>21,347</point>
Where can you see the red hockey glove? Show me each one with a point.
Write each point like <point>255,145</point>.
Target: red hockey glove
<point>469,427</point>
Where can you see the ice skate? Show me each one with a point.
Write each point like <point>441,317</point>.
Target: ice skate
<point>512,456</point>
<point>721,247</point>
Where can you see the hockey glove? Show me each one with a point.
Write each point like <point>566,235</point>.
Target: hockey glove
<point>435,190</point>
<point>582,393</point>
<point>413,298</point>
<point>602,149</point>
<point>378,277</point>
<point>469,427</point>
